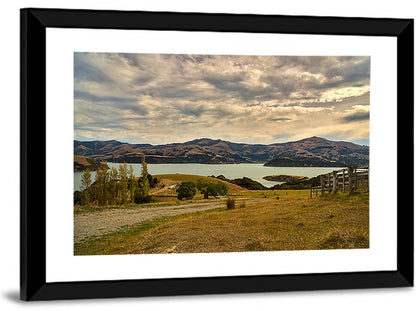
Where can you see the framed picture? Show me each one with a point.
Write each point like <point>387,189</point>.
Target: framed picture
<point>185,153</point>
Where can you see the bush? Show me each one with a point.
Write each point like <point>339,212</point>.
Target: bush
<point>248,184</point>
<point>152,180</point>
<point>212,189</point>
<point>139,197</point>
<point>244,182</point>
<point>216,189</point>
<point>78,198</point>
<point>186,190</point>
<point>230,203</point>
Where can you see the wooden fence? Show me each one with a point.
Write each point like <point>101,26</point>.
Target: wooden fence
<point>348,179</point>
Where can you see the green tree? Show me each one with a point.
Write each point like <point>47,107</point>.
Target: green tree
<point>186,190</point>
<point>142,191</point>
<point>203,187</point>
<point>216,189</point>
<point>122,170</point>
<point>79,198</point>
<point>100,184</point>
<point>113,187</point>
<point>86,182</point>
<point>212,189</point>
<point>152,181</point>
<point>131,182</point>
<point>144,183</point>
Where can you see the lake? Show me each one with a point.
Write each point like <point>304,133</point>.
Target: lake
<point>253,171</point>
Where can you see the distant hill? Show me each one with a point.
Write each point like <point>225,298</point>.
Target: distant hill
<point>313,151</point>
<point>82,163</point>
<point>316,151</point>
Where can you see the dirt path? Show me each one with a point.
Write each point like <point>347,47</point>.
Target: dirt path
<point>98,223</point>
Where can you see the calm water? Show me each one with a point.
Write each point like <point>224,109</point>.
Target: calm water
<point>231,171</point>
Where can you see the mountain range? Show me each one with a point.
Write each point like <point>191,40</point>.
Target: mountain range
<point>313,151</point>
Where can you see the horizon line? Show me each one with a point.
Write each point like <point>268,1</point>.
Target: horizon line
<point>290,141</point>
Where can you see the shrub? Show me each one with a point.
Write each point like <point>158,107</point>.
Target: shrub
<point>78,198</point>
<point>212,189</point>
<point>140,197</point>
<point>248,184</point>
<point>230,203</point>
<point>186,190</point>
<point>151,180</point>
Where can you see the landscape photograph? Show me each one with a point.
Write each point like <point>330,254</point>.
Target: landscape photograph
<point>192,153</point>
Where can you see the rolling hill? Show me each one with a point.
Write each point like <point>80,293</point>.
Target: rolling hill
<point>313,151</point>
<point>82,163</point>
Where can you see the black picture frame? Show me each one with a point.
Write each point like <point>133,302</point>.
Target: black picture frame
<point>35,21</point>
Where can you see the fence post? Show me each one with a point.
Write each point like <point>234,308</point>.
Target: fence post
<point>322,184</point>
<point>349,180</point>
<point>356,179</point>
<point>343,180</point>
<point>329,182</point>
<point>335,181</point>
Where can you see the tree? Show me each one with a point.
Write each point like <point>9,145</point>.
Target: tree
<point>86,180</point>
<point>131,182</point>
<point>142,192</point>
<point>144,168</point>
<point>186,190</point>
<point>85,184</point>
<point>100,184</point>
<point>144,182</point>
<point>216,189</point>
<point>113,187</point>
<point>203,187</point>
<point>122,169</point>
<point>79,198</point>
<point>152,181</point>
<point>212,189</point>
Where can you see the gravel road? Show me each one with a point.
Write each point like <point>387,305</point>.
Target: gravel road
<point>98,223</point>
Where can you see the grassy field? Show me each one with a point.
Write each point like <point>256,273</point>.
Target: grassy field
<point>261,221</point>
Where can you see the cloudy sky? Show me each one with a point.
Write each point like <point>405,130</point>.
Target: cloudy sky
<point>160,98</point>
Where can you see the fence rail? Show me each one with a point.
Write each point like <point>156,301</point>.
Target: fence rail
<point>349,179</point>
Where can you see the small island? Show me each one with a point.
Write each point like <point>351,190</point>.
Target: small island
<point>285,178</point>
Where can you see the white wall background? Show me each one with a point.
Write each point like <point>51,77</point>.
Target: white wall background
<point>380,299</point>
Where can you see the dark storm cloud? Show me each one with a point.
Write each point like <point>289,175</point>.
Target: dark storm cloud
<point>358,116</point>
<point>279,119</point>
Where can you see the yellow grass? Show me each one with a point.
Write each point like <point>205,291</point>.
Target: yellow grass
<point>292,222</point>
<point>195,178</point>
<point>81,160</point>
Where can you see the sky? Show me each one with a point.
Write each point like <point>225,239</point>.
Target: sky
<point>166,98</point>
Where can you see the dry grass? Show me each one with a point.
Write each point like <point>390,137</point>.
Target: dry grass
<point>345,239</point>
<point>81,160</point>
<point>293,222</point>
<point>195,178</point>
